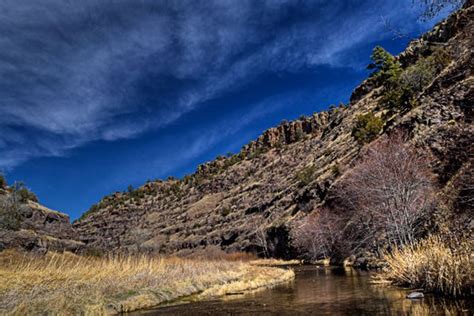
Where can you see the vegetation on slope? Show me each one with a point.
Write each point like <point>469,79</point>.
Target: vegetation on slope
<point>12,203</point>
<point>70,284</point>
<point>384,201</point>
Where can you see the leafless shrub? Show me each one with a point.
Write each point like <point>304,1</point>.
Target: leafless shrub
<point>388,193</point>
<point>317,234</point>
<point>432,8</point>
<point>260,238</point>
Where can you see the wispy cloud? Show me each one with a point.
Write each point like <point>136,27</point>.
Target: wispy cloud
<point>74,72</point>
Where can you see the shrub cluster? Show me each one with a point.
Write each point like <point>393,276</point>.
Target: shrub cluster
<point>402,85</point>
<point>367,127</point>
<point>305,175</point>
<point>316,235</point>
<point>26,195</point>
<point>10,216</point>
<point>384,201</point>
<point>11,205</point>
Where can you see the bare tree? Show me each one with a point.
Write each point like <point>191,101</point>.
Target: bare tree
<point>390,190</point>
<point>260,235</point>
<point>397,32</point>
<point>260,238</point>
<point>317,234</point>
<point>432,8</point>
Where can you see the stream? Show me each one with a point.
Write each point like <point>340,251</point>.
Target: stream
<point>323,291</point>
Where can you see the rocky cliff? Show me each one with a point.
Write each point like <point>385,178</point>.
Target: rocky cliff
<point>241,202</point>
<point>26,224</point>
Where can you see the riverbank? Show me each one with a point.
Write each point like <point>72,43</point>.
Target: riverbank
<point>70,284</point>
<point>324,291</point>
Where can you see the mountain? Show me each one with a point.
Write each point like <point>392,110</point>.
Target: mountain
<point>248,201</point>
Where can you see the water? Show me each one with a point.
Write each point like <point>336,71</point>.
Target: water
<point>323,291</point>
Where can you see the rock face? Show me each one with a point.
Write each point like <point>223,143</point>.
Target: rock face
<point>31,226</point>
<point>242,202</point>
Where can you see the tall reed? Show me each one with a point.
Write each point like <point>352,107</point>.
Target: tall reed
<point>434,264</point>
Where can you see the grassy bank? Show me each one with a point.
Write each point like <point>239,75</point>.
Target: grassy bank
<point>70,284</point>
<point>434,265</point>
<point>274,262</point>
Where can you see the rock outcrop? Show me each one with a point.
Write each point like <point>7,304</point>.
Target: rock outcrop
<point>28,225</point>
<point>233,201</point>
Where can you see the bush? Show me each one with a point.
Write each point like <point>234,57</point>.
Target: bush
<point>256,153</point>
<point>367,127</point>
<point>397,97</point>
<point>94,208</point>
<point>225,212</point>
<point>299,134</point>
<point>434,265</point>
<point>27,195</point>
<point>419,75</point>
<point>305,175</point>
<point>23,193</point>
<point>401,86</point>
<point>3,181</point>
<point>10,217</point>
<point>390,194</point>
<point>336,170</point>
<point>316,235</point>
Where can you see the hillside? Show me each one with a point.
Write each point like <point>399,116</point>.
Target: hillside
<point>247,202</point>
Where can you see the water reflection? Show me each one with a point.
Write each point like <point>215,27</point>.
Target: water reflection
<point>324,291</point>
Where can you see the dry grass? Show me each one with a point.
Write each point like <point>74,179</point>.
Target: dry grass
<point>69,284</point>
<point>434,266</point>
<point>216,253</point>
<point>274,262</point>
<point>254,278</point>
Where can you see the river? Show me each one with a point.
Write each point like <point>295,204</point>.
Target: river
<point>323,291</point>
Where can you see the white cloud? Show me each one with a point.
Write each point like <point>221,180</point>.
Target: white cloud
<point>72,73</point>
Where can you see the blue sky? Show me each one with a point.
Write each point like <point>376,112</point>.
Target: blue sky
<point>99,94</point>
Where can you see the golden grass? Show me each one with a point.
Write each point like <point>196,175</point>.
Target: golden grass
<point>274,262</point>
<point>434,266</point>
<point>64,284</point>
<point>216,253</point>
<point>254,278</point>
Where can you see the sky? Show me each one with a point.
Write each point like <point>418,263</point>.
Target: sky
<point>96,95</point>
